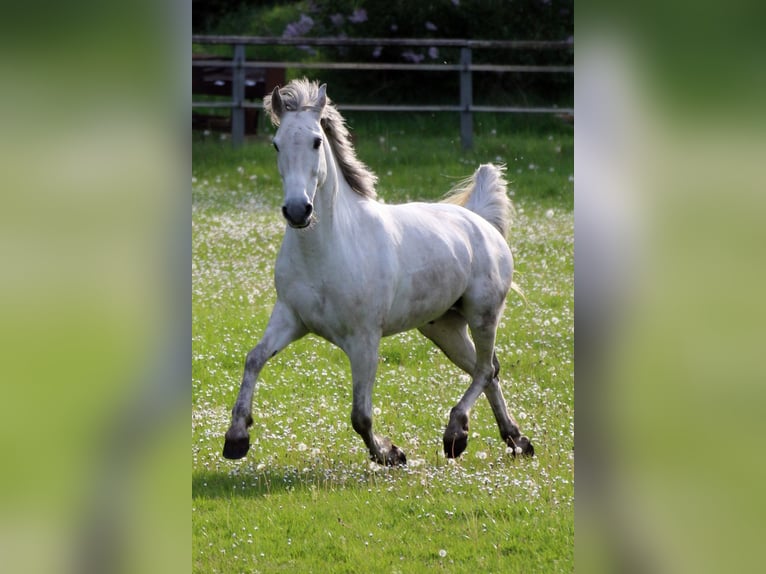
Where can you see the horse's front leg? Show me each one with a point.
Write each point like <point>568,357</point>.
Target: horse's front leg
<point>363,354</point>
<point>284,327</point>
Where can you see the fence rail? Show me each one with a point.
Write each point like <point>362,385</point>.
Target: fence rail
<point>465,68</point>
<point>412,42</point>
<point>388,66</point>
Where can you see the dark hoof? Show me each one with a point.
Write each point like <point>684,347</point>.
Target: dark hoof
<point>390,454</point>
<point>395,456</point>
<point>235,449</point>
<point>455,445</point>
<point>523,444</point>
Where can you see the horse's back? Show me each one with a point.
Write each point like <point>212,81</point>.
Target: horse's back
<point>428,228</point>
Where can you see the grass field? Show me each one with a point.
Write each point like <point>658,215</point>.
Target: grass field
<point>306,498</point>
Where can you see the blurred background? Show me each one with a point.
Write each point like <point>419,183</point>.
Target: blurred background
<point>94,290</point>
<point>551,20</point>
<point>382,57</point>
<point>669,195</point>
<point>95,259</point>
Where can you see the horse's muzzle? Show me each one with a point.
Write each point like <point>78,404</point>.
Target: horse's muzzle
<point>297,214</point>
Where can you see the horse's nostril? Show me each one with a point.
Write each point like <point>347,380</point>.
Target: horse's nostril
<point>297,214</point>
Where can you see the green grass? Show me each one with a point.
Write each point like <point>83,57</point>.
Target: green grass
<point>306,498</point>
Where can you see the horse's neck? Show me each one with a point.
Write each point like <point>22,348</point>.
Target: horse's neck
<point>338,206</point>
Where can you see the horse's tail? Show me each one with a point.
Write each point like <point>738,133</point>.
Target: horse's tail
<point>486,193</point>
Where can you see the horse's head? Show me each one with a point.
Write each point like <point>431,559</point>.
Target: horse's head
<point>300,159</point>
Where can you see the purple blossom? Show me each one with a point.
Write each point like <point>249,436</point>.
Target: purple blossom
<point>358,16</point>
<point>337,20</point>
<point>394,27</point>
<point>376,52</point>
<point>300,28</point>
<point>433,52</point>
<point>456,2</point>
<point>431,26</point>
<point>411,56</point>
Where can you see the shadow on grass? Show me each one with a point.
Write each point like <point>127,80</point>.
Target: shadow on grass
<point>253,484</point>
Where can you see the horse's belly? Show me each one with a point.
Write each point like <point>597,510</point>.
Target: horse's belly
<point>422,297</point>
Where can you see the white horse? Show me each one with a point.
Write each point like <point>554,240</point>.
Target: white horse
<point>353,270</point>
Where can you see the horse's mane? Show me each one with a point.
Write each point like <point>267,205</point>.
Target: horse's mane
<point>302,95</point>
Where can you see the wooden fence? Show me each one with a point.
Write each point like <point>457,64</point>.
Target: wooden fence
<point>465,68</point>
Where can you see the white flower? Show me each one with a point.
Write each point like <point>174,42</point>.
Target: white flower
<point>442,553</point>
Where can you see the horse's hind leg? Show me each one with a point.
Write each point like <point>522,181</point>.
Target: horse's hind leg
<point>283,328</point>
<point>509,429</point>
<point>450,334</point>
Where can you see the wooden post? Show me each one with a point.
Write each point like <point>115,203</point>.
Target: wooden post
<point>238,96</point>
<point>466,99</point>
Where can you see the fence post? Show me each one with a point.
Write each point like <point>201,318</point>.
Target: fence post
<point>466,99</point>
<point>238,96</point>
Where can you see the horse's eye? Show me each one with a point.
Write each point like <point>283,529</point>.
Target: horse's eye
<point>276,147</point>
<point>317,142</point>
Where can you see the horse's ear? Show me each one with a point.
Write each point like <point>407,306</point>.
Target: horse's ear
<point>321,98</point>
<point>277,107</point>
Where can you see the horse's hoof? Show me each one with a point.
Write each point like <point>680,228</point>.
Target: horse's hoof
<point>521,446</point>
<point>235,449</point>
<point>395,456</point>
<point>455,445</point>
<point>389,454</point>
